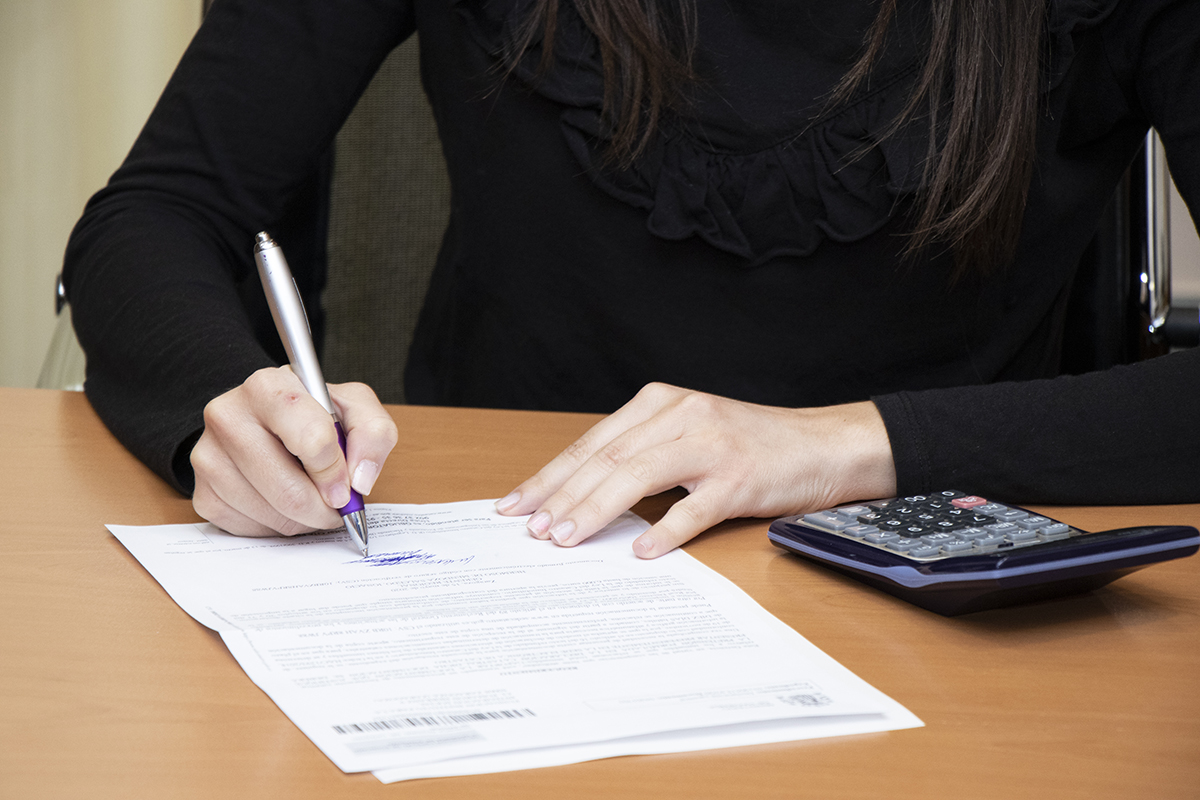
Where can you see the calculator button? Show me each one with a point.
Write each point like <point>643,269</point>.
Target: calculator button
<point>971,533</point>
<point>870,518</point>
<point>859,531</point>
<point>948,525</point>
<point>1030,523</point>
<point>1056,528</point>
<point>904,511</point>
<point>939,538</point>
<point>915,530</point>
<point>956,548</point>
<point>1003,528</point>
<point>970,501</point>
<point>990,509</point>
<point>903,545</point>
<point>891,524</point>
<point>916,498</point>
<point>823,519</point>
<point>937,505</point>
<point>852,512</point>
<point>948,495</point>
<point>980,519</point>
<point>1012,515</point>
<point>881,538</point>
<point>1018,537</point>
<point>989,541</point>
<point>1050,536</point>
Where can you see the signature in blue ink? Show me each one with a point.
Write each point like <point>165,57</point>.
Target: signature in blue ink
<point>412,557</point>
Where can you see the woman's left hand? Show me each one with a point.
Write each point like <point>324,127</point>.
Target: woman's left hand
<point>735,459</point>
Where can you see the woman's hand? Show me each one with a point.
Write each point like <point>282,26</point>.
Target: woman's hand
<point>735,459</point>
<point>268,461</point>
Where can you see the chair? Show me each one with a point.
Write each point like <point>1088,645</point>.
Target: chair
<point>1120,310</point>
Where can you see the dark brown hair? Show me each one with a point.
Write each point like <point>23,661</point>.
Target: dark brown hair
<point>976,92</point>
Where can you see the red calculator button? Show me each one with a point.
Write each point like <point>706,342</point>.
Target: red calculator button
<point>969,501</point>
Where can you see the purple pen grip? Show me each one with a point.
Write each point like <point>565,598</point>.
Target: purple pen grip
<point>356,501</point>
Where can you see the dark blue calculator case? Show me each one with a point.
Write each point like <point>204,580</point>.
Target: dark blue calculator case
<point>1006,576</point>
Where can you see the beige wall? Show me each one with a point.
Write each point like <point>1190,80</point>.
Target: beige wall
<point>77,80</point>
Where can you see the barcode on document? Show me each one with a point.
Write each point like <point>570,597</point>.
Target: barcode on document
<point>423,722</point>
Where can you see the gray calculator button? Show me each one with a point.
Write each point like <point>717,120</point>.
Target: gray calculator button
<point>990,508</point>
<point>952,548</point>
<point>823,519</point>
<point>1057,527</point>
<point>991,540</point>
<point>925,551</point>
<point>881,538</point>
<point>971,533</point>
<point>1011,515</point>
<point>904,545</point>
<point>859,531</point>
<point>1003,528</point>
<point>1050,537</point>
<point>853,511</point>
<point>1030,523</point>
<point>1017,537</point>
<point>939,539</point>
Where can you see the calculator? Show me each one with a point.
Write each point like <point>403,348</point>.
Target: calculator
<point>955,553</point>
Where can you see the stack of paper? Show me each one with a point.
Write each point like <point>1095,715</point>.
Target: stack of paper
<point>462,645</point>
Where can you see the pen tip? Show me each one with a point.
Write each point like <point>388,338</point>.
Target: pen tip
<point>356,526</point>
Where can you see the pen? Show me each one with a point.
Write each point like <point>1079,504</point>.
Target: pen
<point>292,323</point>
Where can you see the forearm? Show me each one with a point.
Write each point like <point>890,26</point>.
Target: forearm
<point>1125,435</point>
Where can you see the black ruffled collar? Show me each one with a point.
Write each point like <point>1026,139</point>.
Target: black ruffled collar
<point>758,203</point>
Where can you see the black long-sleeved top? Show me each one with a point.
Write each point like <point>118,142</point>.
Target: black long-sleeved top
<point>747,253</point>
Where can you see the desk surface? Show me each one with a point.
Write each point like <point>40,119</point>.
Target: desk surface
<point>108,689</point>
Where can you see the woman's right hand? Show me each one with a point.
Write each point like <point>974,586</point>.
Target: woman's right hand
<point>268,461</point>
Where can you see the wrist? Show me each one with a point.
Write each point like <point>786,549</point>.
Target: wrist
<point>861,463</point>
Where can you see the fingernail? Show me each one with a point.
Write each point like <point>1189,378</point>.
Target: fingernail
<point>339,495</point>
<point>508,501</point>
<point>365,475</point>
<point>642,547</point>
<point>538,524</point>
<point>561,532</point>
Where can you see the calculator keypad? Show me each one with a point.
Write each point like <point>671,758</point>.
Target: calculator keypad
<point>939,525</point>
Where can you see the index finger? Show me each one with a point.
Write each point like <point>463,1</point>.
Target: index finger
<point>370,433</point>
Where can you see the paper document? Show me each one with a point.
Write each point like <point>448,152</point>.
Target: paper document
<point>463,645</point>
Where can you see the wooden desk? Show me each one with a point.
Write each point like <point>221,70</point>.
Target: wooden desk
<point>108,689</point>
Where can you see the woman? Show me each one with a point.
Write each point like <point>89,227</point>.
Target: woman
<point>848,230</point>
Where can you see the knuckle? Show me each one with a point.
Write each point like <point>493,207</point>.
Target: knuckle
<point>383,431</point>
<point>612,455</point>
<point>577,452</point>
<point>643,469</point>
<point>203,459</point>
<point>294,496</point>
<point>699,404</point>
<point>220,414</point>
<point>317,447</point>
<point>356,390</point>
<point>657,392</point>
